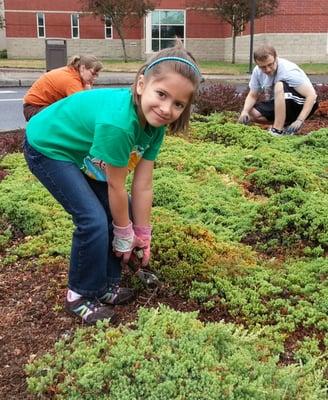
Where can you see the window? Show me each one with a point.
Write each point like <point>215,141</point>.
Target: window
<point>108,28</point>
<point>165,26</point>
<point>40,22</point>
<point>75,25</point>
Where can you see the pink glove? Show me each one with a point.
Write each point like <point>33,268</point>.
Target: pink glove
<point>125,241</point>
<point>144,233</point>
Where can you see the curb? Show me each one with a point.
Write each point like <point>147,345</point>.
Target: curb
<point>11,131</point>
<point>29,82</point>
<point>117,81</point>
<point>16,82</point>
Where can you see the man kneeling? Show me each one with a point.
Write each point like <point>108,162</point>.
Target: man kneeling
<point>289,96</point>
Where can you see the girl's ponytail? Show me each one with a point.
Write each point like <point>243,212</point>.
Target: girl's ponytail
<point>89,61</point>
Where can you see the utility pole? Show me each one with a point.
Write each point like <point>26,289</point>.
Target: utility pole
<point>253,11</point>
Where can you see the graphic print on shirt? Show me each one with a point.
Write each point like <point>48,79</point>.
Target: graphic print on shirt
<point>95,168</point>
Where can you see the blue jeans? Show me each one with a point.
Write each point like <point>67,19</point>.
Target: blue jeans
<point>93,265</point>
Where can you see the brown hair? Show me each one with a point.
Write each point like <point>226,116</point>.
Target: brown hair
<point>263,52</point>
<point>184,69</point>
<point>89,61</point>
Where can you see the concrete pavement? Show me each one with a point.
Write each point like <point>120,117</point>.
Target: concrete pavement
<point>17,77</point>
<point>14,77</point>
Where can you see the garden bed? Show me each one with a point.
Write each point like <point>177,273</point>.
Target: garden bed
<point>32,296</point>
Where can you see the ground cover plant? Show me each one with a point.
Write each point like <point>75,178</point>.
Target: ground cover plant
<point>240,241</point>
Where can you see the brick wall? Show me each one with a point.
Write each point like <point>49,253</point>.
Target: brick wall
<point>298,29</point>
<point>109,49</point>
<point>303,47</point>
<point>39,5</point>
<point>292,16</point>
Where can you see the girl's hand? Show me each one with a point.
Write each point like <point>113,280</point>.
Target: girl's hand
<point>144,233</point>
<point>125,241</point>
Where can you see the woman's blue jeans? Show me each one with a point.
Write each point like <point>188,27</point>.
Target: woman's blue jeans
<point>93,265</point>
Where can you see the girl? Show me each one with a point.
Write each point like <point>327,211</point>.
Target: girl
<point>103,134</point>
<point>79,74</point>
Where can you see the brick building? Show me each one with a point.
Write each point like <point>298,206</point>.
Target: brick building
<point>299,30</point>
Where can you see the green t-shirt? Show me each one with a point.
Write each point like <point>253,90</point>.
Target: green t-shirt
<point>100,124</point>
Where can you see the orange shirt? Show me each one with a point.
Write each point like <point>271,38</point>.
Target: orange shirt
<point>53,86</point>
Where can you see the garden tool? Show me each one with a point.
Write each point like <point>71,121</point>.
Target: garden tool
<point>148,278</point>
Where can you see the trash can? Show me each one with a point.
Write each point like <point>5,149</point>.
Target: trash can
<point>56,53</point>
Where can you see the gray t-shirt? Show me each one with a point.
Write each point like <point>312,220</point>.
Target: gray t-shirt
<point>287,71</point>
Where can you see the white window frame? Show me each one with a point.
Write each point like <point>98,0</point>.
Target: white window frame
<point>149,28</point>
<point>43,26</point>
<point>75,26</point>
<point>107,26</point>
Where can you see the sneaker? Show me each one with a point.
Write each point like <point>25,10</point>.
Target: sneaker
<point>89,311</point>
<point>118,295</point>
<point>276,132</point>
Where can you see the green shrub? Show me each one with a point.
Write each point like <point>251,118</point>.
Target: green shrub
<point>169,355</point>
<point>314,141</point>
<point>5,232</point>
<point>278,299</point>
<point>292,219</point>
<point>33,211</point>
<point>183,252</point>
<point>3,53</point>
<point>268,171</point>
<point>202,195</point>
<point>308,348</point>
<point>196,158</point>
<point>229,134</point>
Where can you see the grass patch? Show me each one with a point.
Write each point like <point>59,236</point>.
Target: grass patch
<point>207,67</point>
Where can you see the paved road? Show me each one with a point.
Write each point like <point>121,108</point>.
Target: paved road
<point>11,109</point>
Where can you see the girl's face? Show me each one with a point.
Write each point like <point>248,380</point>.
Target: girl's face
<point>163,98</point>
<point>88,76</point>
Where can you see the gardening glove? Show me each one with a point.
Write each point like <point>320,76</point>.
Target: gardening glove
<point>294,127</point>
<point>144,233</point>
<point>125,240</point>
<point>244,118</point>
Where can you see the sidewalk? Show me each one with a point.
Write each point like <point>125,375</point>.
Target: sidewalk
<point>14,77</point>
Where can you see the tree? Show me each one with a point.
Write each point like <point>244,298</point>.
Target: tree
<point>2,20</point>
<point>119,11</point>
<point>238,12</point>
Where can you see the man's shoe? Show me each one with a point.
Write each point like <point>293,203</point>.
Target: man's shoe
<point>90,311</point>
<point>118,295</point>
<point>276,132</point>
